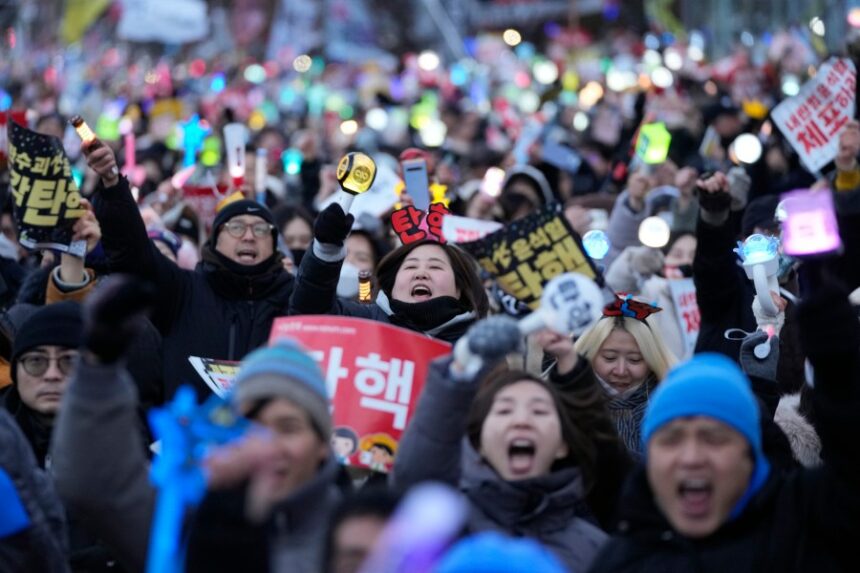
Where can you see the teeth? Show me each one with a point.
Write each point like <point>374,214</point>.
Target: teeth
<point>521,443</point>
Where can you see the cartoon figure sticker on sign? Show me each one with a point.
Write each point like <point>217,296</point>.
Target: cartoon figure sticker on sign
<point>47,201</point>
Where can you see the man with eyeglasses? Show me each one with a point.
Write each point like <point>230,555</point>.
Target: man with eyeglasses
<point>44,354</point>
<point>224,308</point>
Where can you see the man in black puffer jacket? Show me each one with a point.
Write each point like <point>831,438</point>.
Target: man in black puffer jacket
<point>225,307</point>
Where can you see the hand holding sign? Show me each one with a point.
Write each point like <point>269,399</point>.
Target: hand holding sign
<point>356,173</point>
<point>570,304</point>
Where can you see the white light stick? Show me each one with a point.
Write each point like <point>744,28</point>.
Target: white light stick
<point>570,304</point>
<point>261,173</point>
<point>235,137</point>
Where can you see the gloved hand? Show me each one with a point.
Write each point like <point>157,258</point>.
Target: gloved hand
<point>332,225</point>
<point>713,193</point>
<point>488,340</point>
<point>764,368</point>
<point>739,187</point>
<point>114,315</point>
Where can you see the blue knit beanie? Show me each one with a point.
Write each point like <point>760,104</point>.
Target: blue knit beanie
<point>492,552</point>
<point>285,370</point>
<point>711,385</point>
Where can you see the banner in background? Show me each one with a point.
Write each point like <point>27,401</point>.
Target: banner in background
<point>47,201</point>
<point>687,311</point>
<point>811,120</point>
<point>374,372</point>
<point>167,21</point>
<point>527,254</point>
<point>79,16</point>
<point>463,229</point>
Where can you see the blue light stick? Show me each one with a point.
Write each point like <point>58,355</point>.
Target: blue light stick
<point>193,134</point>
<point>186,431</point>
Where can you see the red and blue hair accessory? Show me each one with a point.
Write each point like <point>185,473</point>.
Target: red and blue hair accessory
<point>630,307</point>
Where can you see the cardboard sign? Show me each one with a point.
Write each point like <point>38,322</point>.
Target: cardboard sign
<point>218,374</point>
<point>463,229</point>
<point>47,201</point>
<point>687,311</point>
<point>811,120</point>
<point>527,254</point>
<point>374,373</point>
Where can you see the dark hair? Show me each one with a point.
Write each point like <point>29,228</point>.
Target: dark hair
<point>346,432</point>
<point>472,293</point>
<point>576,430</point>
<point>286,213</point>
<point>371,501</point>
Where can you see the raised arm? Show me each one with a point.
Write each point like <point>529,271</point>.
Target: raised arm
<point>125,239</point>
<point>830,334</point>
<point>99,465</point>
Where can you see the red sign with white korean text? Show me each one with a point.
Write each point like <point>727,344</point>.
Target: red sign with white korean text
<point>811,120</point>
<point>374,372</point>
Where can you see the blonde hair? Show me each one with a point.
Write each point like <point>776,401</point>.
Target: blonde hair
<point>657,355</point>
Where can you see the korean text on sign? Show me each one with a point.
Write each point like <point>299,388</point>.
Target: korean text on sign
<point>812,120</point>
<point>527,254</point>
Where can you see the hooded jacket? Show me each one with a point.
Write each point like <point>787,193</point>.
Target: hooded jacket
<point>220,310</point>
<point>802,520</point>
<point>551,509</point>
<point>315,292</point>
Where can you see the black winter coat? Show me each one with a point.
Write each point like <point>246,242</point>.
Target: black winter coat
<point>211,312</point>
<point>805,520</point>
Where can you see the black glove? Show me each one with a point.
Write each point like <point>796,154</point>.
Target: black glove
<point>495,337</point>
<point>764,368</point>
<point>114,314</point>
<point>332,225</point>
<point>714,202</point>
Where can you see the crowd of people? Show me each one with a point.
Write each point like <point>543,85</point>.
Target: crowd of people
<point>624,448</point>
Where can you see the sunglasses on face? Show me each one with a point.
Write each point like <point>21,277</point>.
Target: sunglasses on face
<point>237,229</point>
<point>38,364</point>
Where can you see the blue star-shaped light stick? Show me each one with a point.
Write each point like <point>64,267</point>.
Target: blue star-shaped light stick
<point>186,432</point>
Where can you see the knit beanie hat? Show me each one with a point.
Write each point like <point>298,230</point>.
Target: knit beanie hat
<point>242,207</point>
<point>285,370</point>
<point>711,385</point>
<point>58,324</point>
<point>493,552</point>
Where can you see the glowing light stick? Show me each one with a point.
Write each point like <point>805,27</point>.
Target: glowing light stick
<point>86,134</point>
<point>596,244</point>
<point>234,141</point>
<point>760,257</point>
<point>809,227</point>
<point>365,289</point>
<point>654,232</point>
<point>356,173</point>
<point>261,173</point>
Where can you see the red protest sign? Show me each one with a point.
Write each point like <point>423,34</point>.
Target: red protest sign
<point>811,120</point>
<point>374,372</point>
<point>687,311</point>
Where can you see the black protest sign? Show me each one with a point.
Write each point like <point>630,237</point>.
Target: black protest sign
<point>527,254</point>
<point>47,201</point>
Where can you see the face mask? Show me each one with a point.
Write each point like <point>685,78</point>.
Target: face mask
<point>347,284</point>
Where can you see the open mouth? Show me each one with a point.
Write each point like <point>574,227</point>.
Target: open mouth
<point>521,453</point>
<point>246,256</point>
<point>421,292</point>
<point>695,497</point>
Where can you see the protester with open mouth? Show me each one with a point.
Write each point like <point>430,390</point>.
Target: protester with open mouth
<point>507,441</point>
<point>224,308</point>
<point>709,499</point>
<point>424,286</point>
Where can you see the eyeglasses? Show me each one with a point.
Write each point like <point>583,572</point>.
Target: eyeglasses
<point>237,229</point>
<point>38,364</point>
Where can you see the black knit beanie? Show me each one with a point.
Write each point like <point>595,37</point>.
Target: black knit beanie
<point>242,207</point>
<point>59,324</point>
